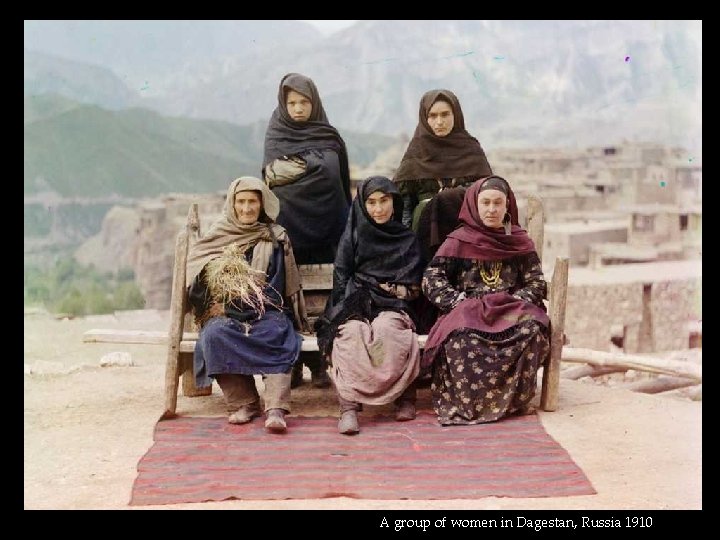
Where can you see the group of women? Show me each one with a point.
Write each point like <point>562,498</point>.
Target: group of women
<point>437,249</point>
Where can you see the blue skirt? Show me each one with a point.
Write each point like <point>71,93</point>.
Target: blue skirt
<point>226,346</point>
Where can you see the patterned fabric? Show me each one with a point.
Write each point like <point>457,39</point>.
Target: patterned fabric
<point>522,277</point>
<point>482,377</point>
<point>484,367</point>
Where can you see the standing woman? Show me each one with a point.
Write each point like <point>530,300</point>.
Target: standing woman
<point>306,166</point>
<point>441,157</point>
<point>241,276</point>
<point>367,330</point>
<point>493,333</point>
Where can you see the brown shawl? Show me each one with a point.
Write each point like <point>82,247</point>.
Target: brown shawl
<point>456,155</point>
<point>227,230</point>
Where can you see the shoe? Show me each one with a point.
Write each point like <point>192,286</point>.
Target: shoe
<point>244,414</point>
<point>297,375</point>
<point>275,421</point>
<point>348,423</point>
<point>320,379</point>
<point>405,411</point>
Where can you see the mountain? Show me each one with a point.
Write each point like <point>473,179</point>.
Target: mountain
<point>549,83</point>
<point>86,83</point>
<point>149,54</point>
<point>521,83</point>
<point>76,150</point>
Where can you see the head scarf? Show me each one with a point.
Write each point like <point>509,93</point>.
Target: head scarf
<point>387,252</point>
<point>286,137</point>
<point>261,235</point>
<point>456,155</point>
<point>473,240</point>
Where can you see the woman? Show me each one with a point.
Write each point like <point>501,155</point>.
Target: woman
<point>441,157</point>
<point>492,335</point>
<point>367,329</point>
<point>306,166</point>
<point>239,275</point>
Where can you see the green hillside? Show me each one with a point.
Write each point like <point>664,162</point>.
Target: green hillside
<point>87,151</point>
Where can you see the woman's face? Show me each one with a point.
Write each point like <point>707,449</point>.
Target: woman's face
<point>380,207</point>
<point>441,118</point>
<point>247,206</point>
<point>299,107</point>
<point>492,205</point>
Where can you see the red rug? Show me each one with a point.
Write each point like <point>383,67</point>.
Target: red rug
<point>206,459</point>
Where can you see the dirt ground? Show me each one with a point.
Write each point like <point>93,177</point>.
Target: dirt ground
<point>86,427</point>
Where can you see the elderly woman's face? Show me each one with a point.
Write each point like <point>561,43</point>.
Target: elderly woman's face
<point>380,207</point>
<point>492,205</point>
<point>247,206</point>
<point>299,107</point>
<point>441,118</point>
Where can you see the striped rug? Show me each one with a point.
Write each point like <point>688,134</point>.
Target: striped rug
<point>196,459</point>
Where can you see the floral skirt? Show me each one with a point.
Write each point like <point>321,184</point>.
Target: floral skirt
<point>480,377</point>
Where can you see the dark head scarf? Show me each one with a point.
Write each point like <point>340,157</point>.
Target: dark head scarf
<point>456,155</point>
<point>382,253</point>
<point>387,252</point>
<point>286,137</point>
<point>473,240</point>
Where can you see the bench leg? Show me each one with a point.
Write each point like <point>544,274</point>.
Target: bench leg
<point>188,378</point>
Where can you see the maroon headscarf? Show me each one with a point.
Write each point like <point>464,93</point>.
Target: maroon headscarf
<point>473,240</point>
<point>493,312</point>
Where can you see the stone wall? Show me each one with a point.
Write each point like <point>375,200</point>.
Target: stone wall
<point>662,325</point>
<point>161,222</point>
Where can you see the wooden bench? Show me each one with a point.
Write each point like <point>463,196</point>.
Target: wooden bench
<point>182,334</point>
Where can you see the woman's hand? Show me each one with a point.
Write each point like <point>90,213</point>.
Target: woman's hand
<point>403,292</point>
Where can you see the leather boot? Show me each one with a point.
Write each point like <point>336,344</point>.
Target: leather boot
<point>348,423</point>
<point>275,422</point>
<point>405,405</point>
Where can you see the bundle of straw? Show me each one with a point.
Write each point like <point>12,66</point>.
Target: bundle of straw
<point>231,278</point>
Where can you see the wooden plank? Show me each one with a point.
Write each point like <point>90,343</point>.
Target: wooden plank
<point>177,310</point>
<point>151,337</point>
<point>662,366</point>
<point>551,372</point>
<point>588,370</point>
<point>663,383</point>
<point>144,337</point>
<point>189,388</point>
<point>316,277</point>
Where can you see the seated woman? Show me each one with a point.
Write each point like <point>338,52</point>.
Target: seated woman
<point>239,275</point>
<point>441,157</point>
<point>493,332</point>
<point>367,329</point>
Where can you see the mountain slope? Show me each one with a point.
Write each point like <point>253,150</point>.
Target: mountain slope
<point>79,150</point>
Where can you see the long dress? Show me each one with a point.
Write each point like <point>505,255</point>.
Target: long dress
<point>478,375</point>
<point>243,341</point>
<point>367,329</point>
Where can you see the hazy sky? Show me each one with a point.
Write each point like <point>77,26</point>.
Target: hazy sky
<point>328,27</point>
